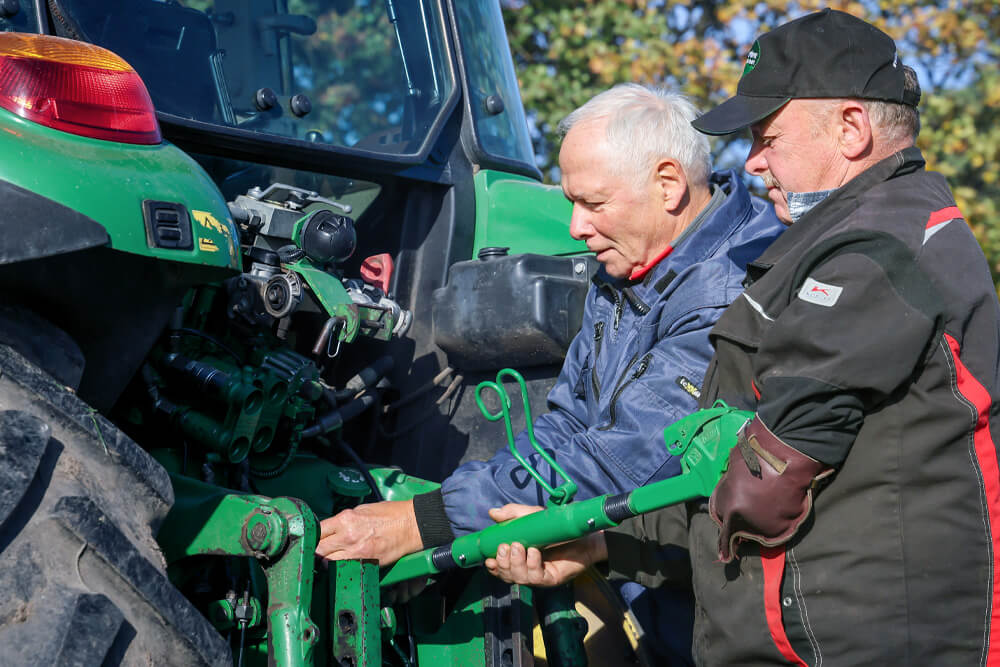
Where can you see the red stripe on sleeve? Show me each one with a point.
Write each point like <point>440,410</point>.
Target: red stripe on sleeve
<point>986,455</point>
<point>949,213</point>
<point>773,561</point>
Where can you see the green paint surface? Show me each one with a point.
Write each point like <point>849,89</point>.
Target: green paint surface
<point>523,215</point>
<point>108,182</point>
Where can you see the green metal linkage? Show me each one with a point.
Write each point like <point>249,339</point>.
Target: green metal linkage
<point>559,495</point>
<point>397,485</point>
<point>280,532</point>
<point>703,440</point>
<point>290,586</point>
<point>353,319</point>
<point>480,626</point>
<point>356,623</point>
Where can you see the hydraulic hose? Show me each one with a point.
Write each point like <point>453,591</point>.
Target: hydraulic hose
<point>336,418</point>
<point>366,378</point>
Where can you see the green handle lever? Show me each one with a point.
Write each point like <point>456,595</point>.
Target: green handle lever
<point>557,496</point>
<point>703,440</point>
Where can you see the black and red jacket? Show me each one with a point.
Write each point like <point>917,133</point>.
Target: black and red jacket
<point>867,338</point>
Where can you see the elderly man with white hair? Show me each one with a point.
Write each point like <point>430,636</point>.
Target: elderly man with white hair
<point>674,240</point>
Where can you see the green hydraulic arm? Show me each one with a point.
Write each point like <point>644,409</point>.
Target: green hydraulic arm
<point>703,440</point>
<point>281,533</point>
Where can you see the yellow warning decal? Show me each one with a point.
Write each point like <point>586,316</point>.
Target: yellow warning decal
<point>208,221</point>
<point>208,245</point>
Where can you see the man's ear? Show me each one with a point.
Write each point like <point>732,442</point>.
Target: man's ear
<point>672,184</point>
<point>854,130</point>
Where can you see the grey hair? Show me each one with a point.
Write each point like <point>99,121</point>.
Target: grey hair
<point>645,125</point>
<point>893,123</point>
<point>897,123</point>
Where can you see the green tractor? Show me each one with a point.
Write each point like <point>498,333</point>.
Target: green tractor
<point>248,246</point>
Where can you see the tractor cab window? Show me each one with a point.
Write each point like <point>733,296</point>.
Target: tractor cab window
<point>494,99</point>
<point>365,74</point>
<point>18,16</point>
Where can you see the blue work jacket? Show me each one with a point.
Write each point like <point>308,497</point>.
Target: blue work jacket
<point>635,367</point>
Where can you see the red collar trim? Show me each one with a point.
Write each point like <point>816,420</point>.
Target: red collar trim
<point>643,270</point>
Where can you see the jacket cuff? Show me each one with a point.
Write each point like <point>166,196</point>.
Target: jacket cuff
<point>432,522</point>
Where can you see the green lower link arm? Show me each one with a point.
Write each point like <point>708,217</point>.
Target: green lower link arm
<point>703,440</point>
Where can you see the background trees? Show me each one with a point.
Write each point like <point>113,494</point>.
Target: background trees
<point>566,52</point>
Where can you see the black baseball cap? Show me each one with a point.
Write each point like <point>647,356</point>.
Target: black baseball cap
<point>825,54</point>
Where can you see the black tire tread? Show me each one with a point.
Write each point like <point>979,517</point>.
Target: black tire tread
<point>84,582</point>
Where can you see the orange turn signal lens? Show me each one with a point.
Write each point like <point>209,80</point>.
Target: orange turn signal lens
<point>75,87</point>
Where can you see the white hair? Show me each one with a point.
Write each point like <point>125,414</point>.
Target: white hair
<point>645,125</point>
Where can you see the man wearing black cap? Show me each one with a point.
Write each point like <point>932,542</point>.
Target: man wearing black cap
<point>859,523</point>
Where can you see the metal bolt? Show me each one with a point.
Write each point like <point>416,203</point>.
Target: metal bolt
<point>461,559</point>
<point>579,267</point>
<point>388,619</point>
<point>257,538</point>
<point>265,99</point>
<point>787,601</point>
<point>300,105</point>
<point>493,105</point>
<point>591,523</point>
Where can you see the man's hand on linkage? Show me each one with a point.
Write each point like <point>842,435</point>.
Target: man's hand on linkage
<point>386,530</point>
<point>556,565</point>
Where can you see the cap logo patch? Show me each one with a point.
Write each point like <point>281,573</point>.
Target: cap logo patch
<point>752,58</point>
<point>822,294</point>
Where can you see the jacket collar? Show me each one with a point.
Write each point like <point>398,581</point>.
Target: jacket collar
<point>845,198</point>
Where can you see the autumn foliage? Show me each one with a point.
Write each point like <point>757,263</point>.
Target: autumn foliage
<point>566,52</point>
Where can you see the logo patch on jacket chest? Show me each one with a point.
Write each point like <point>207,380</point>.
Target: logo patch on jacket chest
<point>688,386</point>
<point>822,294</point>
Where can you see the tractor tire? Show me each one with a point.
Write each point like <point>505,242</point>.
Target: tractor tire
<point>83,580</point>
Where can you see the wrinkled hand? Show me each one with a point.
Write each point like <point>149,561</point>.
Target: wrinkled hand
<point>386,531</point>
<point>557,565</point>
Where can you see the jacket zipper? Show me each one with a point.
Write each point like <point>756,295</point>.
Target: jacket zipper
<point>598,338</point>
<point>640,306</point>
<point>619,300</point>
<point>623,384</point>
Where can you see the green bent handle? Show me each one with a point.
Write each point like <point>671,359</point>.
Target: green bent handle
<point>703,440</point>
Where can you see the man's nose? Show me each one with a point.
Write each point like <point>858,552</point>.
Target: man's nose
<point>755,164</point>
<point>579,225</point>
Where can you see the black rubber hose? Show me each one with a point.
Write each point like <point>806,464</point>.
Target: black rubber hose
<point>271,473</point>
<point>366,378</point>
<point>214,341</point>
<point>336,418</point>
